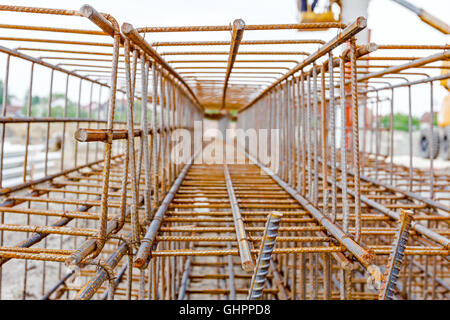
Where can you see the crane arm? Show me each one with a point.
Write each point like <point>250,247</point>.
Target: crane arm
<point>426,17</point>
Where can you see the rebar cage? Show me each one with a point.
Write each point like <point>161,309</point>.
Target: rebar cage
<point>97,205</point>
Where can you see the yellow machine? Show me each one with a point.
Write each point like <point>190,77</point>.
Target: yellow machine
<point>309,14</point>
<point>444,113</point>
<point>444,118</point>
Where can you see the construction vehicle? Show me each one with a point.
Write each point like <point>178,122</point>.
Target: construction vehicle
<point>441,128</point>
<point>441,135</point>
<point>308,15</point>
<point>440,139</point>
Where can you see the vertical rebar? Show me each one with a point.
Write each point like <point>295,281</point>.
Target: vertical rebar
<point>355,124</point>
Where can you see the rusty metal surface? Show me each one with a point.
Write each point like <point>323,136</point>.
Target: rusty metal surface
<point>111,215</point>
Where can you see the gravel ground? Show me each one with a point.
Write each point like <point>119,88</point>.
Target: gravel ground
<point>401,151</point>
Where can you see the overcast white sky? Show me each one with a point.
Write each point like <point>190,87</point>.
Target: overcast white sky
<point>388,20</point>
<point>389,23</point>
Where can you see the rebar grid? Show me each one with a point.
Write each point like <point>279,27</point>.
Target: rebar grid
<point>112,214</point>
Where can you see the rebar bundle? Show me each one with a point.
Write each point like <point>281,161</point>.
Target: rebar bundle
<point>98,202</point>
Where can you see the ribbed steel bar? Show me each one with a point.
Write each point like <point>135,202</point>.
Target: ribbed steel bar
<point>396,257</point>
<point>147,241</point>
<point>264,256</point>
<point>236,37</point>
<point>241,234</point>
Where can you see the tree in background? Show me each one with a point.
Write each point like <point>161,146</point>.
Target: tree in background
<point>400,122</point>
<point>39,107</point>
<point>1,94</point>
